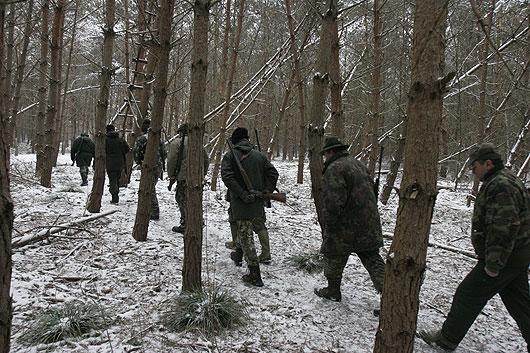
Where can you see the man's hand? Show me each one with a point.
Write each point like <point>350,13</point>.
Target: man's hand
<point>491,273</point>
<point>247,197</point>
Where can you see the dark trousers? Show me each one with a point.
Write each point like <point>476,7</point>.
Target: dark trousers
<point>180,197</point>
<point>477,289</point>
<point>371,260</point>
<point>114,177</point>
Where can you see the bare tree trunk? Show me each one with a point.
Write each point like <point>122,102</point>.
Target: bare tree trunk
<point>43,71</point>
<point>228,95</point>
<point>150,162</point>
<point>94,201</point>
<point>375,109</point>
<point>337,116</point>
<point>6,206</point>
<point>320,89</point>
<point>54,93</point>
<point>285,101</point>
<point>300,90</point>
<point>394,165</point>
<point>191,270</point>
<point>10,46</point>
<point>483,94</point>
<point>405,263</point>
<point>21,65</point>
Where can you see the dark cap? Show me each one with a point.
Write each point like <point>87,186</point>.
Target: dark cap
<point>145,125</point>
<point>84,134</point>
<point>239,134</point>
<point>484,152</point>
<point>110,128</point>
<point>333,143</point>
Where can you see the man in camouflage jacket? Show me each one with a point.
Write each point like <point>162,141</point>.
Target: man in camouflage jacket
<point>501,238</point>
<point>176,172</point>
<point>139,152</point>
<point>82,153</point>
<point>351,220</point>
<point>247,207</point>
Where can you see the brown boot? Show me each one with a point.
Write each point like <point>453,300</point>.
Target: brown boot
<point>253,276</point>
<point>331,292</point>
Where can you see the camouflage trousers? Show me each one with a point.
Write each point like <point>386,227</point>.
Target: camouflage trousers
<point>180,198</point>
<point>155,210</point>
<point>84,173</point>
<point>114,177</point>
<point>245,233</point>
<point>371,260</point>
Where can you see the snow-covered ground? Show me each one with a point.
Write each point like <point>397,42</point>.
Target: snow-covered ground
<point>134,279</point>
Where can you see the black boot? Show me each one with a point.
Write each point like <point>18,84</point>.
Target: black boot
<point>115,199</point>
<point>331,292</point>
<point>84,180</point>
<point>237,256</point>
<point>253,276</point>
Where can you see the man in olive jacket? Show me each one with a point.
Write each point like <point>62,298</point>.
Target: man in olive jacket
<point>501,237</point>
<point>247,207</point>
<point>351,220</point>
<point>115,150</point>
<point>82,153</point>
<point>176,172</point>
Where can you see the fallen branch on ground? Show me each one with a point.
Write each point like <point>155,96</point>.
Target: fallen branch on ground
<point>33,238</point>
<point>467,253</point>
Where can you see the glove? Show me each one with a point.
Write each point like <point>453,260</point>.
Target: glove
<point>248,197</point>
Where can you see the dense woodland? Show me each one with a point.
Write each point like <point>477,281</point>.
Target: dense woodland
<point>417,82</point>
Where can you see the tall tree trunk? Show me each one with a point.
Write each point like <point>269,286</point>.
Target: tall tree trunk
<point>150,163</point>
<point>21,65</point>
<point>6,206</point>
<point>394,165</point>
<point>10,46</point>
<point>405,263</point>
<point>273,143</point>
<point>43,71</point>
<point>94,201</point>
<point>300,90</point>
<point>482,114</point>
<point>375,110</point>
<point>191,270</point>
<point>337,116</point>
<point>53,94</point>
<point>320,90</point>
<point>228,94</point>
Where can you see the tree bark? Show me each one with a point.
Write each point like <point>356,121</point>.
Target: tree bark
<point>337,115</point>
<point>191,270</point>
<point>53,93</point>
<point>6,207</point>
<point>150,163</point>
<point>394,165</point>
<point>94,201</point>
<point>43,89</point>
<point>320,90</point>
<point>405,263</point>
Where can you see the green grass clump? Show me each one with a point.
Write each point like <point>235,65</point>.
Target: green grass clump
<point>70,320</point>
<point>209,311</point>
<point>308,262</point>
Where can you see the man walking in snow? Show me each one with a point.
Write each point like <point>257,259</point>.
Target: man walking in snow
<point>176,172</point>
<point>501,238</point>
<point>351,220</point>
<point>82,153</point>
<point>247,205</point>
<point>115,150</point>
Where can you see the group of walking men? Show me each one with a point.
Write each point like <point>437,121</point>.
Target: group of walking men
<point>351,221</point>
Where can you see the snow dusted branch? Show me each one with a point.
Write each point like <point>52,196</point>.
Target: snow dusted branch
<point>453,249</point>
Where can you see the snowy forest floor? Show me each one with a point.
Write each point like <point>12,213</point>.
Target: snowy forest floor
<point>133,280</point>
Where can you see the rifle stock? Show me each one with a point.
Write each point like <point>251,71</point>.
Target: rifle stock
<point>276,196</point>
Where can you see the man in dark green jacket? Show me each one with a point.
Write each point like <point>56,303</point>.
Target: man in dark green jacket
<point>115,150</point>
<point>351,219</point>
<point>247,207</point>
<point>501,237</point>
<point>82,153</point>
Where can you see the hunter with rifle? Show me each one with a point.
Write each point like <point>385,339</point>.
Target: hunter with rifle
<point>250,179</point>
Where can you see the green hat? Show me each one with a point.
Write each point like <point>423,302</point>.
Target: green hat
<point>332,143</point>
<point>484,152</point>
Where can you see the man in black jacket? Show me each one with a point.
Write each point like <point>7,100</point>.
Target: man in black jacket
<point>82,153</point>
<point>115,149</point>
<point>247,207</point>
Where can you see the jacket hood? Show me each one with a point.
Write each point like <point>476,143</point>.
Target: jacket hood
<point>113,134</point>
<point>244,146</point>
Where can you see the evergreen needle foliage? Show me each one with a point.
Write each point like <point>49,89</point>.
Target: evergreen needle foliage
<point>209,311</point>
<point>309,262</point>
<point>71,320</point>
